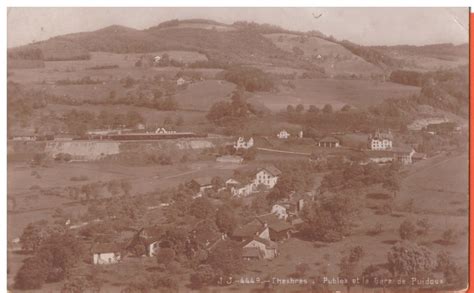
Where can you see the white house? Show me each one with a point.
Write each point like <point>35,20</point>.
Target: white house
<point>267,176</point>
<point>241,143</point>
<point>279,211</point>
<point>106,253</point>
<point>157,59</point>
<point>283,134</point>
<point>153,248</point>
<point>180,81</point>
<point>242,189</point>
<point>381,141</point>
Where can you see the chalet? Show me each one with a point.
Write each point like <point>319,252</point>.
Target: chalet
<point>329,142</point>
<point>230,159</point>
<point>283,134</point>
<point>267,176</point>
<point>106,253</point>
<point>242,143</point>
<point>259,248</point>
<point>381,141</point>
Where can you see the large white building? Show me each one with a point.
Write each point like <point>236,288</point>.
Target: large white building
<point>267,176</point>
<point>381,141</point>
<point>241,143</point>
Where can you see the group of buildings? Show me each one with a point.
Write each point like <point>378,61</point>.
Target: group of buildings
<point>258,238</point>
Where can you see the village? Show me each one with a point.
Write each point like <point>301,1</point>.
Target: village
<point>195,155</point>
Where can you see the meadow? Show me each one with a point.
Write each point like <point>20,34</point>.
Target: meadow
<point>337,92</point>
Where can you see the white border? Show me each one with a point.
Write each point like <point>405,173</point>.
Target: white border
<point>159,3</point>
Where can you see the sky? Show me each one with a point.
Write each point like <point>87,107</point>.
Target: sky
<point>366,26</point>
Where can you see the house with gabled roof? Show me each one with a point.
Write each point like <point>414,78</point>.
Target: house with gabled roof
<point>259,248</point>
<point>329,142</point>
<point>268,176</point>
<point>106,253</point>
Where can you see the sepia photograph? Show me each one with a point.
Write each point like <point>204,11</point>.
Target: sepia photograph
<point>206,149</point>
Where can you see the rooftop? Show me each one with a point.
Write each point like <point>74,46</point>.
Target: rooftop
<point>106,247</point>
<point>272,170</point>
<point>329,139</point>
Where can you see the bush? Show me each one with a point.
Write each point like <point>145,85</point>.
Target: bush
<point>407,230</point>
<point>252,79</point>
<point>424,226</point>
<point>32,274</point>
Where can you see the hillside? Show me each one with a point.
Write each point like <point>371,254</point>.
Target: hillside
<point>245,43</point>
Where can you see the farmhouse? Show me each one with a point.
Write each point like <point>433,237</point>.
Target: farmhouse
<point>258,248</point>
<point>253,229</point>
<point>106,253</point>
<point>329,142</point>
<point>283,134</point>
<point>381,141</point>
<point>242,143</point>
<point>201,184</point>
<point>230,159</point>
<point>267,176</point>
<point>278,229</point>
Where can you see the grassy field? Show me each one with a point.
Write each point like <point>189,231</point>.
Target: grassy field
<point>333,57</point>
<point>203,94</point>
<point>438,185</point>
<point>357,93</point>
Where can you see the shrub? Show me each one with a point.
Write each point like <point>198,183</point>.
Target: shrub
<point>407,230</point>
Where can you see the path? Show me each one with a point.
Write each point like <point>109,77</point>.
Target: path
<point>283,152</point>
